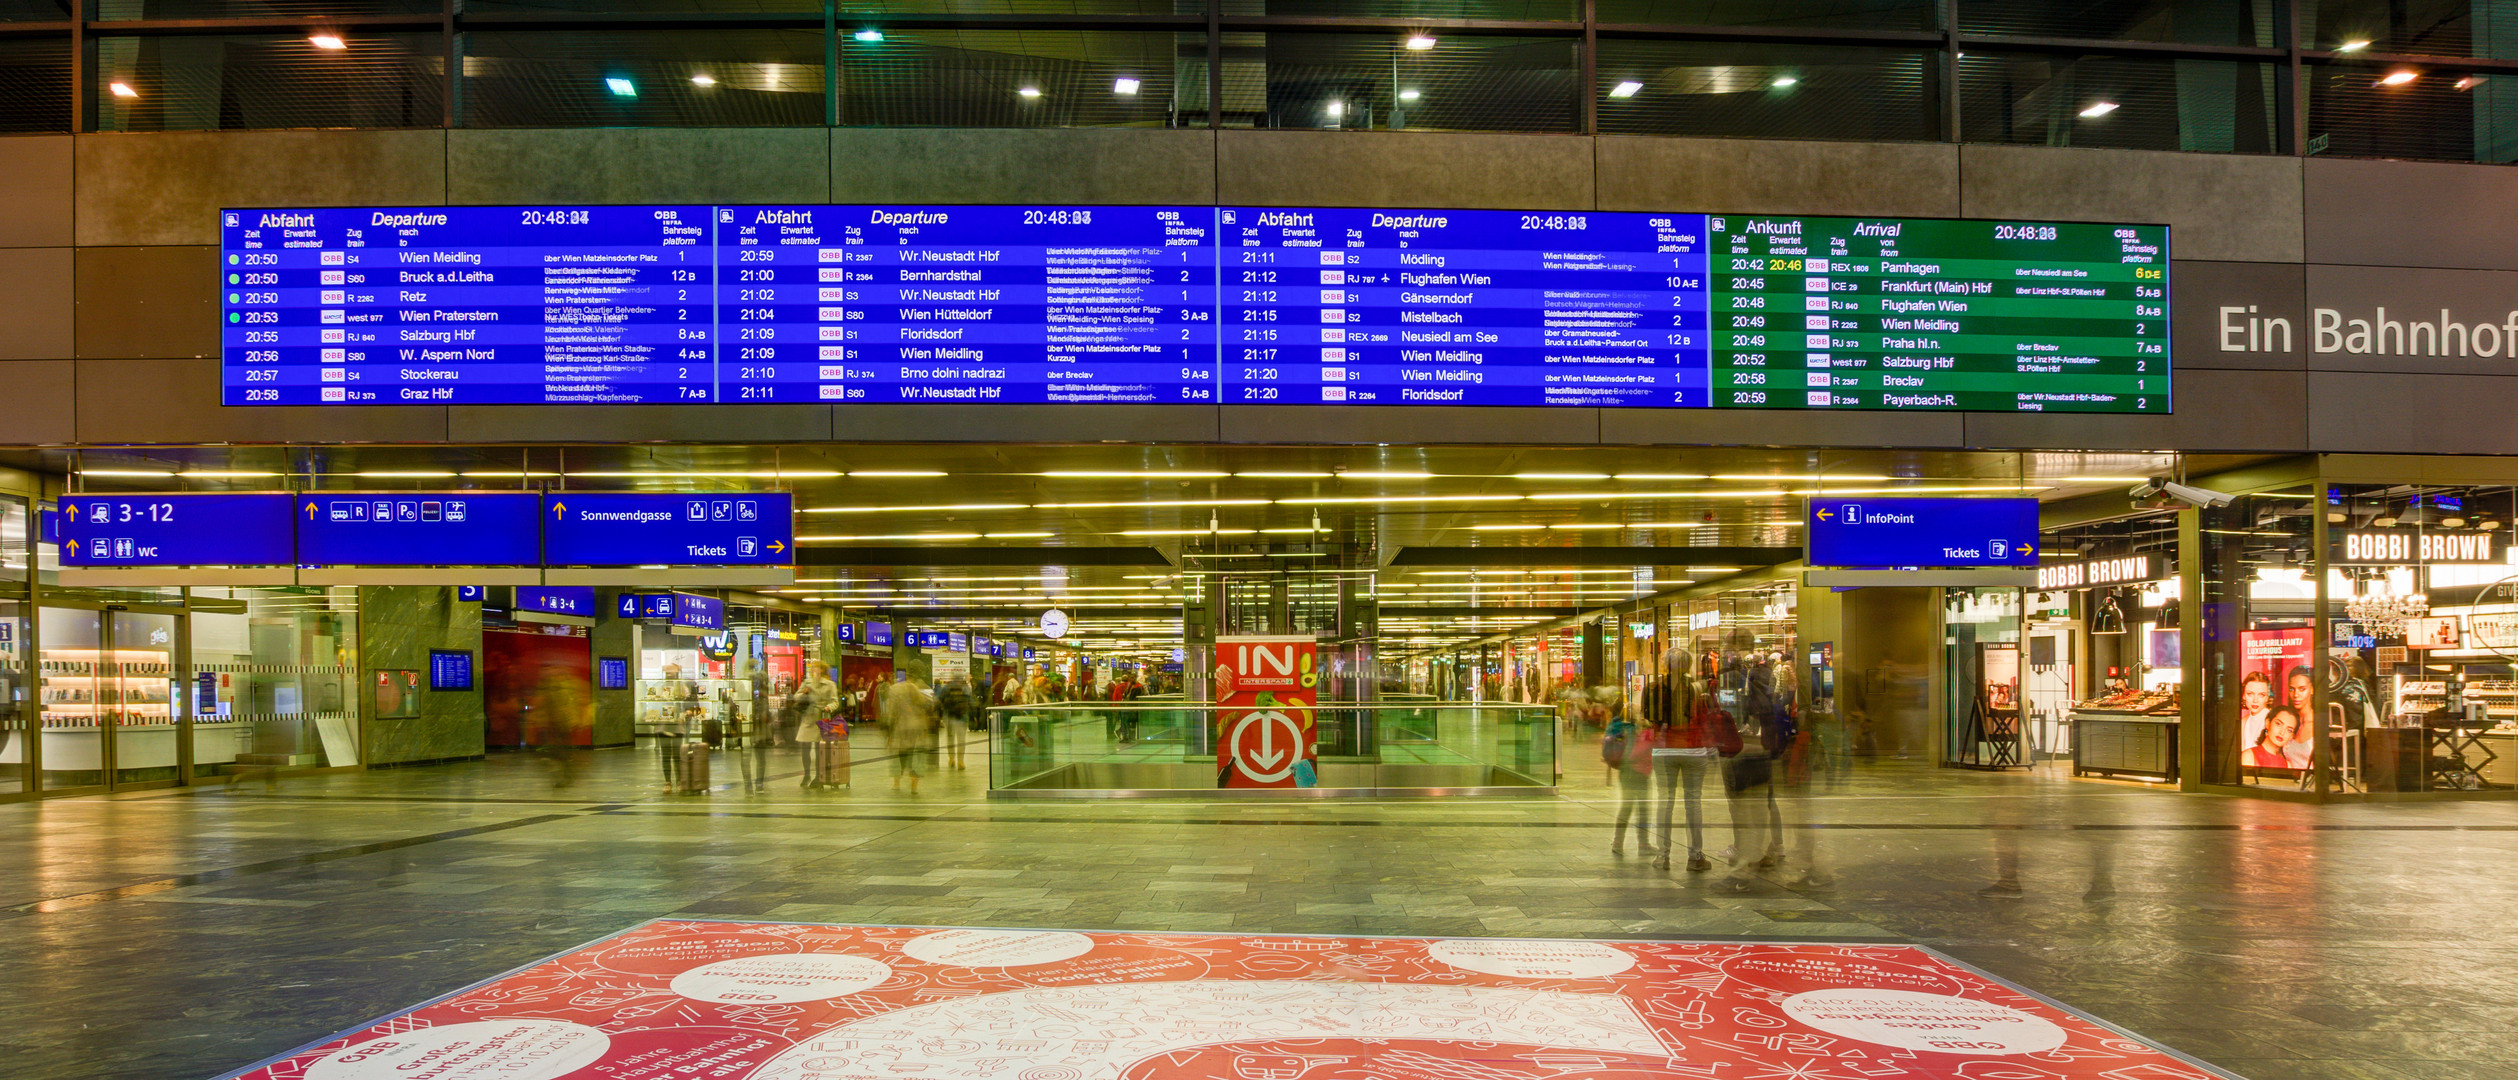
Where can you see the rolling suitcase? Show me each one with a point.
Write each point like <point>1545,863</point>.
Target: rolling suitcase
<point>694,772</point>
<point>829,765</point>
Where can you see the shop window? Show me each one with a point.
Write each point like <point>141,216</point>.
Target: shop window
<point>2434,112</point>
<point>2260,648</point>
<point>2420,685</point>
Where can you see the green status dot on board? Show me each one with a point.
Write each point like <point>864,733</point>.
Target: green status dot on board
<point>233,279</point>
<point>232,316</point>
<point>232,298</point>
<point>231,260</point>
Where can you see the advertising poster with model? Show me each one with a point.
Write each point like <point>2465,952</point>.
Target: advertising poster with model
<point>1265,730</point>
<point>2277,681</point>
<point>677,999</point>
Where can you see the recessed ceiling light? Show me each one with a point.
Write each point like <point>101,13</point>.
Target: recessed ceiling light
<point>122,90</point>
<point>1782,81</point>
<point>1409,95</point>
<point>1028,92</point>
<point>2470,82</point>
<point>2354,45</point>
<point>1421,42</point>
<point>869,35</point>
<point>2098,109</point>
<point>621,87</point>
<point>2398,78</point>
<point>703,79</point>
<point>1123,86</point>
<point>327,41</point>
<point>1625,89</point>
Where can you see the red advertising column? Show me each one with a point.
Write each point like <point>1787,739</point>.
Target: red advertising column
<point>1264,724</point>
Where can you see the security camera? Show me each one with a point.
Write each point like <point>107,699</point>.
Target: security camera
<point>2161,489</point>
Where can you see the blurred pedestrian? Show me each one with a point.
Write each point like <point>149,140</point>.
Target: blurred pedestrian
<point>909,729</point>
<point>1627,750</point>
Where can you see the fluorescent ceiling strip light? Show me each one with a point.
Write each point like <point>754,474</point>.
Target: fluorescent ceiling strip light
<point>1149,503</point>
<point>955,508</point>
<point>1094,474</point>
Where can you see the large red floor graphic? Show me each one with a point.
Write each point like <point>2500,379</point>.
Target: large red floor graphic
<point>685,999</point>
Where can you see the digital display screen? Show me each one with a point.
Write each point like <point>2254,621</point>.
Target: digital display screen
<point>1188,305</point>
<point>449,669</point>
<point>611,673</point>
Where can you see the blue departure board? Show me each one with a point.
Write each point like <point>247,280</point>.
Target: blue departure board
<point>1189,305</point>
<point>161,529</point>
<point>432,528</point>
<point>650,529</point>
<point>450,669</point>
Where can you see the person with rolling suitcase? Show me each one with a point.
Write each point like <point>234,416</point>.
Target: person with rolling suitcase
<point>694,763</point>
<point>822,735</point>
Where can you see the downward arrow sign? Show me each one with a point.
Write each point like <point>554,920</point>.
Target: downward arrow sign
<point>1268,755</point>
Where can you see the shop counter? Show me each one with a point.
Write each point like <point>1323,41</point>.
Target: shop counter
<point>2124,744</point>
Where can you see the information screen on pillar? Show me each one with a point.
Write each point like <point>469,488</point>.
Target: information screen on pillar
<point>1188,305</point>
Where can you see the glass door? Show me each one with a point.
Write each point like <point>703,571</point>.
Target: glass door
<point>107,698</point>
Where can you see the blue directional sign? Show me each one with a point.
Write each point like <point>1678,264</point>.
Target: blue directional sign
<point>930,639</point>
<point>433,528</point>
<point>848,632</point>
<point>644,606</point>
<point>159,529</point>
<point>1865,531</point>
<point>879,633</point>
<point>578,600</point>
<point>472,594</point>
<point>699,612</point>
<point>646,529</point>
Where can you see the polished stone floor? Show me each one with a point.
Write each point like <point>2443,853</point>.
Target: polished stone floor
<point>173,934</point>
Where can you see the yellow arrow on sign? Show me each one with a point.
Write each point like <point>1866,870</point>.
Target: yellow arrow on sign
<point>72,510</point>
<point>1827,515</point>
<point>777,546</point>
<point>310,511</point>
<point>559,511</point>
<point>2028,549</point>
<point>74,548</point>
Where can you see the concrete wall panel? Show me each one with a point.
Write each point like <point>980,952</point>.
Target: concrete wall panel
<point>148,301</point>
<point>1055,165</point>
<point>168,188</point>
<point>2222,206</point>
<point>2362,412</point>
<point>2402,213</point>
<point>2238,411</point>
<point>177,401</point>
<point>638,165</point>
<point>2204,335</point>
<point>35,303</point>
<point>1759,427</point>
<point>2432,311</point>
<point>35,186</point>
<point>639,423</point>
<point>1769,177</point>
<point>1403,170</point>
<point>43,402</point>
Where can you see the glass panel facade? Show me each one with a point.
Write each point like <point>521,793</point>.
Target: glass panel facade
<point>35,85</point>
<point>2428,27</point>
<point>274,679</point>
<point>1832,14</point>
<point>2190,22</point>
<point>2260,642</point>
<point>2126,102</point>
<point>1023,78</point>
<point>643,78</point>
<point>1766,91</point>
<point>2371,110</point>
<point>199,82</point>
<point>1360,82</point>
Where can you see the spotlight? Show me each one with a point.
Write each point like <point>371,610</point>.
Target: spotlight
<point>1123,86</point>
<point>1028,92</point>
<point>1783,81</point>
<point>1420,43</point>
<point>2398,78</point>
<point>327,41</point>
<point>703,79</point>
<point>123,90</point>
<point>1625,89</point>
<point>621,87</point>
<point>869,35</point>
<point>2098,109</point>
